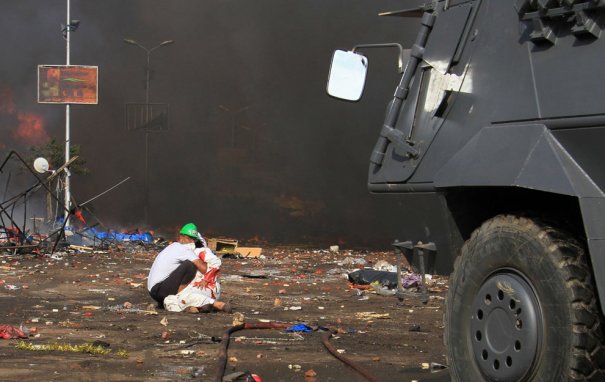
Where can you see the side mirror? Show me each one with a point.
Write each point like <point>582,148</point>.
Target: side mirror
<point>347,75</point>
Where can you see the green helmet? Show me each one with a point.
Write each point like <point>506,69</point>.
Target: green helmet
<point>190,230</point>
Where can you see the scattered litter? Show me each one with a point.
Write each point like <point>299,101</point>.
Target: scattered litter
<point>150,311</point>
<point>299,328</point>
<point>91,307</point>
<point>334,248</point>
<point>164,321</point>
<point>368,276</point>
<point>293,308</point>
<point>255,276</point>
<point>383,291</point>
<point>372,316</point>
<point>238,319</point>
<point>11,287</point>
<point>411,280</point>
<point>310,373</point>
<point>383,265</point>
<point>103,291</point>
<point>8,332</point>
<point>294,367</point>
<point>248,251</point>
<point>81,248</point>
<point>435,367</point>
<point>348,261</point>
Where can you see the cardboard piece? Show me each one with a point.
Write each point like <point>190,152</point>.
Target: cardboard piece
<point>249,251</point>
<point>222,245</point>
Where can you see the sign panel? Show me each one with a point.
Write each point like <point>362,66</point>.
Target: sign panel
<point>63,84</point>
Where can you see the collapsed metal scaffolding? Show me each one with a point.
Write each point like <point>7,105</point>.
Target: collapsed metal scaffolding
<point>60,228</point>
<point>15,232</point>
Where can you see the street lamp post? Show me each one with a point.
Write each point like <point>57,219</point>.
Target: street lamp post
<point>70,26</point>
<point>147,90</point>
<point>67,35</point>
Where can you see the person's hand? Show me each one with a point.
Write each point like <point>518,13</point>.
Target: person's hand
<point>202,284</point>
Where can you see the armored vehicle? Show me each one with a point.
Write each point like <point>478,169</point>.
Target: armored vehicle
<point>500,114</point>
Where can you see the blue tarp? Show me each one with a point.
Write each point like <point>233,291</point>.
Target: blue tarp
<point>144,237</point>
<point>298,328</point>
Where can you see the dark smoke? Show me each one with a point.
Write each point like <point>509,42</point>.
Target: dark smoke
<point>291,167</point>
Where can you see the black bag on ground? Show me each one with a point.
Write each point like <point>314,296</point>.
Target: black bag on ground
<point>368,276</point>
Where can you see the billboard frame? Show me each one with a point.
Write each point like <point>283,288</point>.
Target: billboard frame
<point>73,99</point>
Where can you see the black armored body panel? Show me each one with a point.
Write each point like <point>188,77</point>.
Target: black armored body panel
<point>500,112</point>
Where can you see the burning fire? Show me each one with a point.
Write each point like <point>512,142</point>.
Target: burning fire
<point>31,129</point>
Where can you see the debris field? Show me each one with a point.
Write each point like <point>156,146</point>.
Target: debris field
<point>87,316</point>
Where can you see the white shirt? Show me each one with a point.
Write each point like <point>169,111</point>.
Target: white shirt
<point>206,255</point>
<point>168,260</point>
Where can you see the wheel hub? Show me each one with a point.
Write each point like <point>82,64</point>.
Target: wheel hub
<point>505,327</point>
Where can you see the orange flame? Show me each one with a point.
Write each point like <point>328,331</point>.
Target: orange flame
<point>31,129</point>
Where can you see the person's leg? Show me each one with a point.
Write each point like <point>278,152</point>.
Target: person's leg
<point>216,305</point>
<point>154,294</point>
<point>175,282</point>
<point>223,306</point>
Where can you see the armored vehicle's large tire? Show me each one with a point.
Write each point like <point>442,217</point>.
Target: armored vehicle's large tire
<point>521,307</point>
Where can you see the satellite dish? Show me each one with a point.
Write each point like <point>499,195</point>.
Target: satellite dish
<point>41,165</point>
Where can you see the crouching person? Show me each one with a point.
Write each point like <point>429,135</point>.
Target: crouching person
<point>202,294</point>
<point>175,266</point>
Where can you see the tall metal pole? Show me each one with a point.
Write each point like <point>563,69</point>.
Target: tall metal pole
<point>146,196</point>
<point>67,125</point>
<point>147,117</point>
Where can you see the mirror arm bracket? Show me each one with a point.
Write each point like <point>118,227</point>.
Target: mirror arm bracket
<point>385,45</point>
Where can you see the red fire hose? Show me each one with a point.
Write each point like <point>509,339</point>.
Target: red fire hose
<point>222,352</point>
<point>325,339</point>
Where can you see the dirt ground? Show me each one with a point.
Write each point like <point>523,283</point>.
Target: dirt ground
<point>79,298</point>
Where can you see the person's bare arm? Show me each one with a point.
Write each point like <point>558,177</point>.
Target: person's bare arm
<point>200,265</point>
